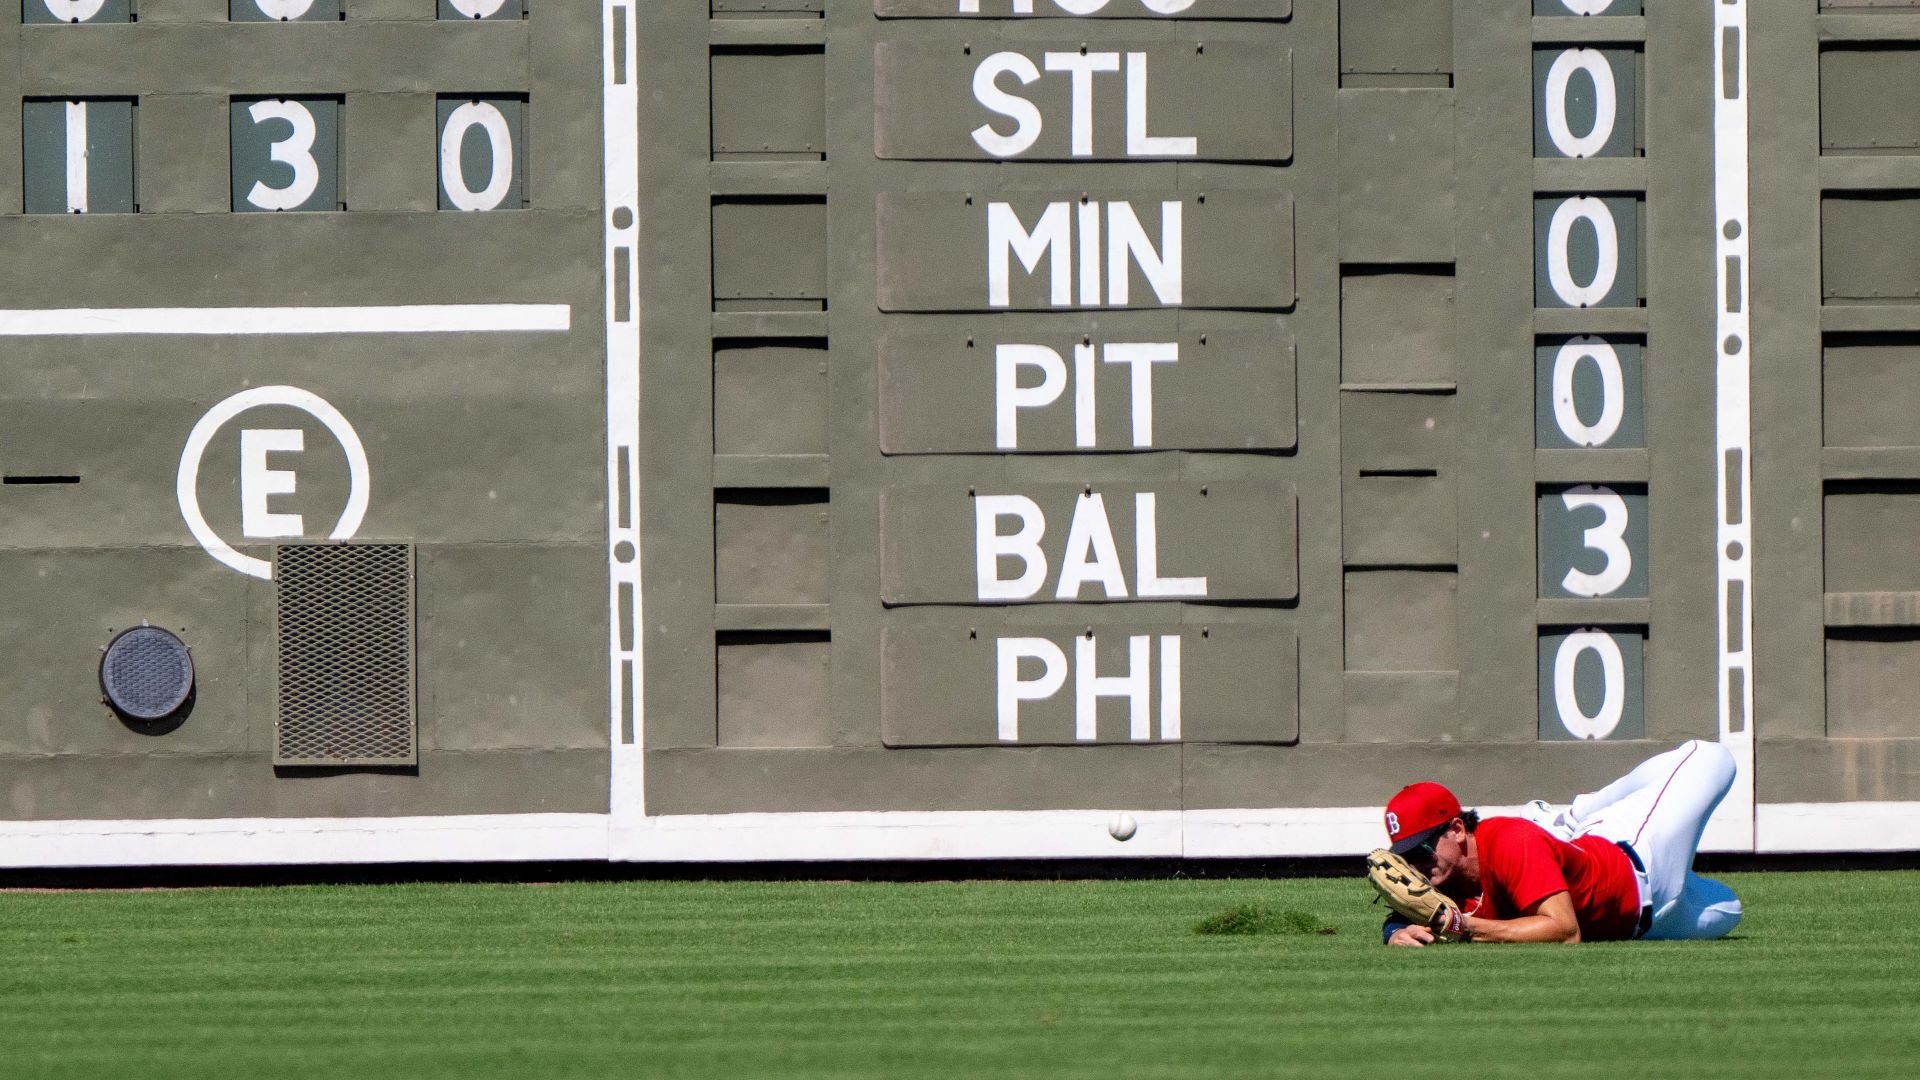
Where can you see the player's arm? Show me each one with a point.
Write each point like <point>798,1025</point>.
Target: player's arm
<point>1552,920</point>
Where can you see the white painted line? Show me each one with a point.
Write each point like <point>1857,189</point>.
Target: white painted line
<point>1037,834</point>
<point>1733,427</point>
<point>269,841</point>
<point>229,321</point>
<point>620,157</point>
<point>1839,827</point>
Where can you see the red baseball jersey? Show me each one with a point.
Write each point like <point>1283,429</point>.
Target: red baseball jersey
<point>1522,864</point>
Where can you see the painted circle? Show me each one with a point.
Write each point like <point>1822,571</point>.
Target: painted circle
<point>187,480</point>
<point>1732,344</point>
<point>1731,230</point>
<point>1734,550</point>
<point>622,218</point>
<point>146,673</point>
<point>623,552</point>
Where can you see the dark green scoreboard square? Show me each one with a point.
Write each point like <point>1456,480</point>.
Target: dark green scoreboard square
<point>1593,541</point>
<point>76,11</point>
<point>1592,684</point>
<point>100,180</point>
<point>286,154</point>
<point>283,10</point>
<point>491,136</point>
<point>1586,251</point>
<point>1587,393</point>
<point>1567,124</point>
<point>483,9</point>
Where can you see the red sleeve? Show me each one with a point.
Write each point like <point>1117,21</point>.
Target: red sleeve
<point>1521,865</point>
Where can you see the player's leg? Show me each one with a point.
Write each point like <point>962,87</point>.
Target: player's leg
<point>1651,772</point>
<point>1706,909</point>
<point>1664,817</point>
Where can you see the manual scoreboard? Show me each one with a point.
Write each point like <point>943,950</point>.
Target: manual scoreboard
<point>920,428</point>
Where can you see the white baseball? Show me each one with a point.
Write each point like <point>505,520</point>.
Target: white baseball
<point>1122,826</point>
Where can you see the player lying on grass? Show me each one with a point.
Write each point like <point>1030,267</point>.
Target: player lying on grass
<point>1611,865</point>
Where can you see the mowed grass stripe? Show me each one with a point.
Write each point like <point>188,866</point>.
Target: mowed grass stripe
<point>1078,979</point>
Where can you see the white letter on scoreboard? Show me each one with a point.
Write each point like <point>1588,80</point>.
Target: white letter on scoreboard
<point>1126,237</point>
<point>1051,239</point>
<point>1140,356</point>
<point>990,546</point>
<point>1024,113</point>
<point>1011,690</point>
<point>257,482</point>
<point>1089,688</point>
<point>1146,539</point>
<point>1081,66</point>
<point>1009,396</point>
<point>1139,143</point>
<point>1170,686</point>
<point>1090,553</point>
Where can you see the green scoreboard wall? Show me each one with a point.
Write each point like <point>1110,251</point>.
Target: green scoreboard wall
<point>924,428</point>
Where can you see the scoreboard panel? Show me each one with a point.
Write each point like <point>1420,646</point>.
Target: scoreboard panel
<point>773,429</point>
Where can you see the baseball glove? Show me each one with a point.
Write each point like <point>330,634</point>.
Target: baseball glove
<point>1408,892</point>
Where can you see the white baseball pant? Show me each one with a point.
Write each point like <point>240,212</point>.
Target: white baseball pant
<point>1661,808</point>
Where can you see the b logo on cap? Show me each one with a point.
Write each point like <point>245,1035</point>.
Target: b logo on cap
<point>1393,823</point>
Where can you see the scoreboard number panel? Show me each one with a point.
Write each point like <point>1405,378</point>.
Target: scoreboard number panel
<point>78,156</point>
<point>1586,251</point>
<point>482,153</point>
<point>1588,393</point>
<point>1593,542</point>
<point>1585,102</point>
<point>75,11</point>
<point>483,9</point>
<point>1592,684</point>
<point>286,154</point>
<point>283,10</point>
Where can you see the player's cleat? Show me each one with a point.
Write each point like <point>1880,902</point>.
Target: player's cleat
<point>1559,820</point>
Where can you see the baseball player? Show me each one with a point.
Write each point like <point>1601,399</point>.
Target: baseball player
<point>1612,865</point>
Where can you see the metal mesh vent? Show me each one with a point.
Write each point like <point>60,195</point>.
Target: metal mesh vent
<point>146,673</point>
<point>346,655</point>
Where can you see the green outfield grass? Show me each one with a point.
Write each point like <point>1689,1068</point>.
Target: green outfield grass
<point>1102,980</point>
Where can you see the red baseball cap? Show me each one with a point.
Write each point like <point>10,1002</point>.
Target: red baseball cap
<point>1419,813</point>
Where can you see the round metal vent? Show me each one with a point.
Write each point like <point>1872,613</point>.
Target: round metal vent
<point>147,674</point>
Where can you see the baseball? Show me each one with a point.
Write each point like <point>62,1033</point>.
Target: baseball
<point>1121,826</point>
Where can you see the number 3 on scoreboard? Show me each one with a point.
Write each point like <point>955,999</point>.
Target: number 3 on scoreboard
<point>286,154</point>
<point>294,151</point>
<point>1587,558</point>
